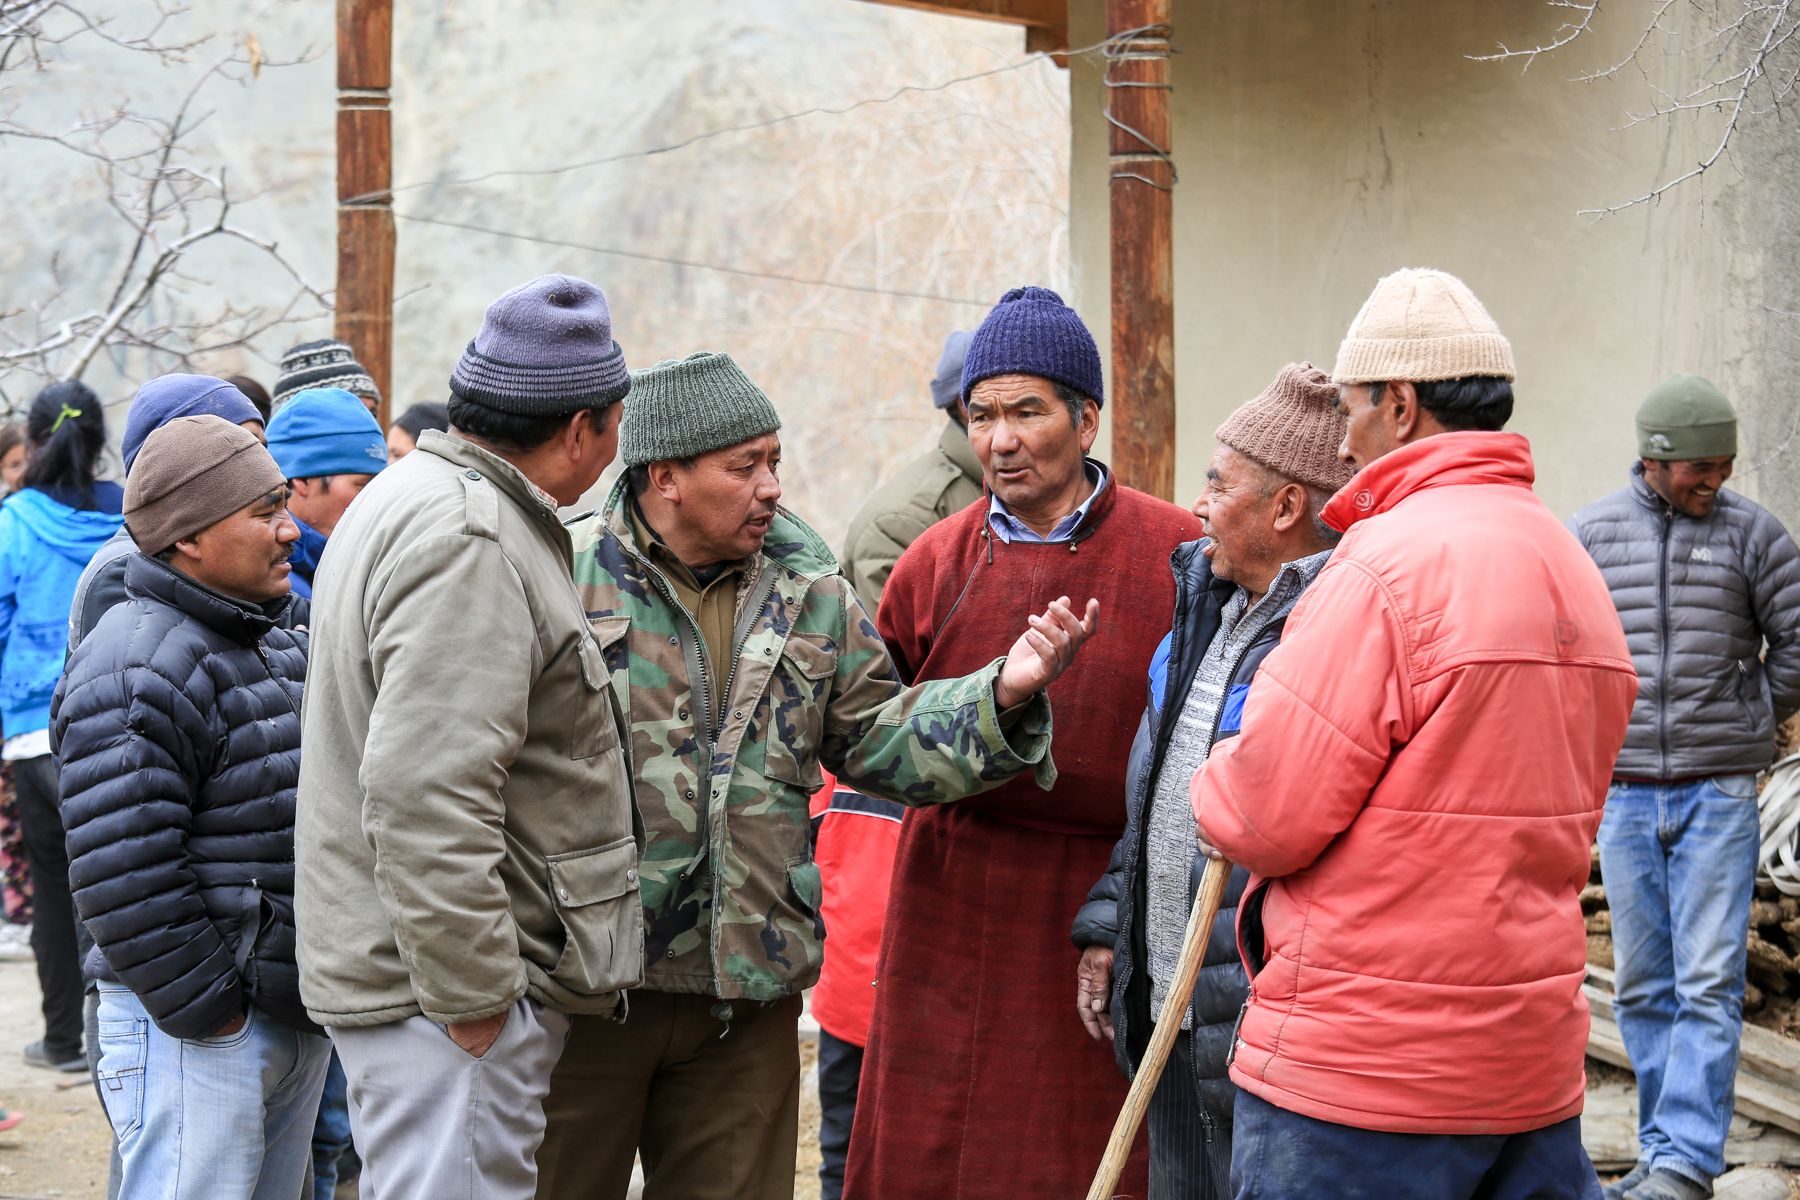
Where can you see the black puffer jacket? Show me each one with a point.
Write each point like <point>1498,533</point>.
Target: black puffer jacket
<point>177,725</point>
<point>1698,599</point>
<point>1113,914</point>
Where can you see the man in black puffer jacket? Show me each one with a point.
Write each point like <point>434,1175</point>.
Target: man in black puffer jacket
<point>1707,584</point>
<point>1275,468</point>
<point>178,731</point>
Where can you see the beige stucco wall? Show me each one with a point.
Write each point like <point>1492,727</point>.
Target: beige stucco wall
<point>1321,145</point>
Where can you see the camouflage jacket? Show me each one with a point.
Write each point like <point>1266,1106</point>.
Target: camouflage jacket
<point>731,895</point>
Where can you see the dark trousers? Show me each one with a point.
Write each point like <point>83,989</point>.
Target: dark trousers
<point>1190,1151</point>
<point>713,1107</point>
<point>840,1070</point>
<point>53,913</point>
<point>1279,1155</point>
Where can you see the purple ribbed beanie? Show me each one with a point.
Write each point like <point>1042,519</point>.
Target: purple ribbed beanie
<point>1032,332</point>
<point>545,350</point>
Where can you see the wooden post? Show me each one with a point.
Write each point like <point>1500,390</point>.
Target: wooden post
<point>1143,296</point>
<point>365,172</point>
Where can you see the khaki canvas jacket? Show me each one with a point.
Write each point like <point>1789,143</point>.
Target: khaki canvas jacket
<point>466,832</point>
<point>939,482</point>
<point>730,891</point>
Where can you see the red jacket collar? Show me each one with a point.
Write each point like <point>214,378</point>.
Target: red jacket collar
<point>1445,460</point>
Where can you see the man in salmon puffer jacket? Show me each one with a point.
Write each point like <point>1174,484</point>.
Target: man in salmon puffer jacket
<point>1418,780</point>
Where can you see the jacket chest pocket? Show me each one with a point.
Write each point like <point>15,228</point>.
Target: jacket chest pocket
<point>799,688</point>
<point>592,728</point>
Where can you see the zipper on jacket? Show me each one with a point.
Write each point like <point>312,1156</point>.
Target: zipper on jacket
<point>694,650</point>
<point>1662,649</point>
<point>763,587</point>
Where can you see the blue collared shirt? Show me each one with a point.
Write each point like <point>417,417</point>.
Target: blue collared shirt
<point>1009,528</point>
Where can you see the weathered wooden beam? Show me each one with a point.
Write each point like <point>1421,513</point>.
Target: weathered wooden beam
<point>365,172</point>
<point>1143,280</point>
<point>1050,14</point>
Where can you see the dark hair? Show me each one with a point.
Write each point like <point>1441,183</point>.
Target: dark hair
<point>1476,402</point>
<point>513,431</point>
<point>1072,399</point>
<point>420,417</point>
<point>639,476</point>
<point>67,432</point>
<point>254,392</point>
<point>11,434</point>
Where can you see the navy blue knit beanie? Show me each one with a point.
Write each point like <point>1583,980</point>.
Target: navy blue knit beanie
<point>1032,332</point>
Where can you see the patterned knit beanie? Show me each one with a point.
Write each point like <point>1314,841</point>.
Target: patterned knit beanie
<point>1032,332</point>
<point>683,408</point>
<point>1292,428</point>
<point>545,349</point>
<point>1421,326</point>
<point>321,364</point>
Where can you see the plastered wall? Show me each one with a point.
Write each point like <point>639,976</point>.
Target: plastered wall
<point>1321,145</point>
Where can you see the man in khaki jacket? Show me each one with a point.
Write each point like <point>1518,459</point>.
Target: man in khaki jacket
<point>943,480</point>
<point>466,850</point>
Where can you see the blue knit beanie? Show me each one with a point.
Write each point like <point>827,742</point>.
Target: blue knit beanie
<point>326,431</point>
<point>1032,332</point>
<point>545,349</point>
<point>169,396</point>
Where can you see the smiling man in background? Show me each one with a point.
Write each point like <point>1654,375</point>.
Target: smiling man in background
<point>1703,580</point>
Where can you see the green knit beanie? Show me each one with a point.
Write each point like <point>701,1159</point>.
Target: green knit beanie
<point>682,408</point>
<point>1685,417</point>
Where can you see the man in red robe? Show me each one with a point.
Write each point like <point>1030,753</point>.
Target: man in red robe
<point>975,1082</point>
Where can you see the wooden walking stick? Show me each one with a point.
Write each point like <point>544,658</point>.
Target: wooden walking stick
<point>1162,1040</point>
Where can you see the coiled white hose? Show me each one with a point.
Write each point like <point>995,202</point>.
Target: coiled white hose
<point>1778,853</point>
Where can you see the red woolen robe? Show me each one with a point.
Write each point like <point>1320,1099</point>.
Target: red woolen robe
<point>979,1080</point>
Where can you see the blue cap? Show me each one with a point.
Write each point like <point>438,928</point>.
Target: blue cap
<point>326,431</point>
<point>169,396</point>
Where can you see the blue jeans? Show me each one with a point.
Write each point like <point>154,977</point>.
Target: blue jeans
<point>1679,862</point>
<point>331,1132</point>
<point>1279,1155</point>
<point>208,1118</point>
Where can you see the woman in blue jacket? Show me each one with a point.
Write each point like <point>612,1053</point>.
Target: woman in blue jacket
<point>49,529</point>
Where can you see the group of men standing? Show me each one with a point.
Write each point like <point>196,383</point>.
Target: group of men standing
<point>513,814</point>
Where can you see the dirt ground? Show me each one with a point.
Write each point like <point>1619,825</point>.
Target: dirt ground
<point>60,1149</point>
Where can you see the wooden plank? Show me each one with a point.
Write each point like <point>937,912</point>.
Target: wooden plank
<point>1609,1132</point>
<point>365,152</point>
<point>365,292</point>
<point>1143,292</point>
<point>1768,1053</point>
<point>1048,14</point>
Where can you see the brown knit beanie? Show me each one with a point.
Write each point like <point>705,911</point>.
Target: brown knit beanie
<point>1422,325</point>
<point>1292,428</point>
<point>192,473</point>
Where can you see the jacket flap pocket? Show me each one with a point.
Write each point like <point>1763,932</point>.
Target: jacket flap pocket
<point>808,887</point>
<point>809,654</point>
<point>589,876</point>
<point>609,630</point>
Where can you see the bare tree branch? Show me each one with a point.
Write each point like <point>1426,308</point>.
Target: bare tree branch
<point>1741,55</point>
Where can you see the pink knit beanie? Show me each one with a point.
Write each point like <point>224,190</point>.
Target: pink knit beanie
<point>1292,428</point>
<point>1422,325</point>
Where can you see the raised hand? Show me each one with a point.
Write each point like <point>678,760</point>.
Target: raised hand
<point>1044,651</point>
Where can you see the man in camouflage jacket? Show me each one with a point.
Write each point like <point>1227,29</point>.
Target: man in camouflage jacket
<point>743,660</point>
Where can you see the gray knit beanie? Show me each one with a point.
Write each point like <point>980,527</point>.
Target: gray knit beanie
<point>682,408</point>
<point>545,350</point>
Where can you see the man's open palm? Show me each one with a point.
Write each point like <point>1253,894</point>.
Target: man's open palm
<point>1044,651</point>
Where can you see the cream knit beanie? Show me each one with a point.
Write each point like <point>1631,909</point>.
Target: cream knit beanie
<point>1421,326</point>
<point>1293,428</point>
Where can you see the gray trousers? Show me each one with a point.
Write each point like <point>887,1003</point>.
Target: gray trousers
<point>434,1123</point>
